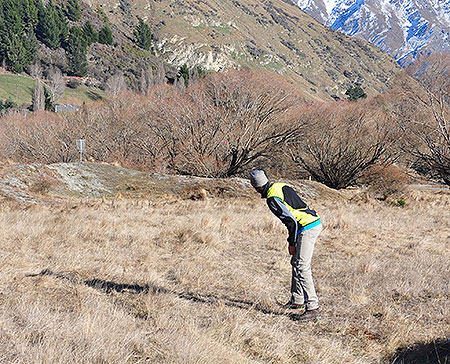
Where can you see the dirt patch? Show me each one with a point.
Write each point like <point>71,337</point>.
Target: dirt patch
<point>29,183</point>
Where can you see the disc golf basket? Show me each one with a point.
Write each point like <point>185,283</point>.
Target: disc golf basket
<point>81,146</point>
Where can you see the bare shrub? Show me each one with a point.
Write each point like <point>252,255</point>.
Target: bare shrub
<point>119,130</point>
<point>116,83</point>
<point>424,116</point>
<point>56,83</point>
<point>227,121</point>
<point>73,82</point>
<point>42,185</point>
<point>341,141</point>
<point>43,137</point>
<point>385,181</point>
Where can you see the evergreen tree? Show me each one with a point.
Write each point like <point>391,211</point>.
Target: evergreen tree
<point>105,35</point>
<point>47,30</point>
<point>76,52</point>
<point>19,52</point>
<point>73,10</point>
<point>184,73</point>
<point>355,92</point>
<point>18,19</point>
<point>29,12</point>
<point>90,35</point>
<point>143,35</point>
<point>61,23</point>
<point>6,105</point>
<point>49,104</point>
<point>11,26</point>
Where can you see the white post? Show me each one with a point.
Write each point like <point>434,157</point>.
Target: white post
<point>81,146</point>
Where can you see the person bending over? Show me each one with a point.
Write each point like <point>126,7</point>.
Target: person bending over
<point>304,227</point>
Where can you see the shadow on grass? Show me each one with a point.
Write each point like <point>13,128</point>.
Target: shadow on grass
<point>436,352</point>
<point>93,95</point>
<point>209,299</point>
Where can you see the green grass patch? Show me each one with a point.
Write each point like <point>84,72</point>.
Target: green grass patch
<point>275,66</point>
<point>223,29</point>
<point>17,88</point>
<point>81,94</point>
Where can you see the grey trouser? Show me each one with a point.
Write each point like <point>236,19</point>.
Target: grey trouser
<point>302,286</point>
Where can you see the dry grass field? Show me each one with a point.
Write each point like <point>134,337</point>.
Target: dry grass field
<point>137,281</point>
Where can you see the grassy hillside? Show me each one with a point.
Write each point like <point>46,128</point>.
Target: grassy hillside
<point>20,90</point>
<point>176,280</point>
<point>17,88</point>
<point>277,35</point>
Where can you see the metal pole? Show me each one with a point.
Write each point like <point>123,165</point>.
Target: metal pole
<point>81,145</point>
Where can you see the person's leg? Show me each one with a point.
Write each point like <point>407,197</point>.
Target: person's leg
<point>302,286</point>
<point>297,295</point>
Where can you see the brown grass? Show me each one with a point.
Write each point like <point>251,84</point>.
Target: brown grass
<point>196,282</point>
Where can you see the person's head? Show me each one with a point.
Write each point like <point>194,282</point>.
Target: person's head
<point>258,179</point>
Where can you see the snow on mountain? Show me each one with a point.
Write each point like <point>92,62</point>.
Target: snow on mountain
<point>403,28</point>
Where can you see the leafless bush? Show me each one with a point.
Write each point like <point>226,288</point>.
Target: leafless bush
<point>424,115</point>
<point>56,83</point>
<point>73,82</point>
<point>116,83</point>
<point>42,185</point>
<point>227,121</point>
<point>385,181</point>
<point>119,129</point>
<point>340,141</point>
<point>43,137</point>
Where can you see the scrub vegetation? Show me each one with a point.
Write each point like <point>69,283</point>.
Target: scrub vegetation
<point>225,123</point>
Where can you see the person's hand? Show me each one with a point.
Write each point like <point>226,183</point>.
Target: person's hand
<point>291,250</point>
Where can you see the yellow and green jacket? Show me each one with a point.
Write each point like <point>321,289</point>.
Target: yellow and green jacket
<point>284,202</point>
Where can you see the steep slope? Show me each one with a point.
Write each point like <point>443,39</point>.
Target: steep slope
<point>402,28</point>
<point>216,34</point>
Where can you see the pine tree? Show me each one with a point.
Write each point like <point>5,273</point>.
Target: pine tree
<point>90,35</point>
<point>47,30</point>
<point>18,56</point>
<point>105,35</point>
<point>48,100</point>
<point>184,73</point>
<point>17,41</point>
<point>355,92</point>
<point>61,23</point>
<point>76,52</point>
<point>143,35</point>
<point>29,12</point>
<point>6,105</point>
<point>73,10</point>
<point>11,30</point>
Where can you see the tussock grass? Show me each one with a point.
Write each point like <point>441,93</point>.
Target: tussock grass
<point>197,282</point>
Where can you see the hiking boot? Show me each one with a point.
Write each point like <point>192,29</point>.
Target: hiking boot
<point>309,315</point>
<point>291,305</point>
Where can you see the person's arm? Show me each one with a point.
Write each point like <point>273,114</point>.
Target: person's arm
<point>280,210</point>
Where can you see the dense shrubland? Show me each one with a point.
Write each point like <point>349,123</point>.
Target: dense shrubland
<point>226,123</point>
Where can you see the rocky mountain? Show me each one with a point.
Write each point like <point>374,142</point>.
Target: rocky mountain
<point>402,28</point>
<point>267,34</point>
